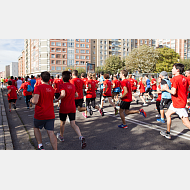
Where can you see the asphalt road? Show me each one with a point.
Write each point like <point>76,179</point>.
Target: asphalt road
<point>101,133</point>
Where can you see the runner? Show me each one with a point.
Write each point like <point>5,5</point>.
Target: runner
<point>153,86</point>
<point>44,111</point>
<point>96,81</point>
<point>12,95</point>
<point>19,83</point>
<point>32,82</point>
<point>84,79</point>
<point>126,99</point>
<point>67,107</point>
<point>179,98</point>
<point>2,82</point>
<point>107,94</point>
<point>101,80</point>
<point>148,88</point>
<point>166,96</point>
<point>38,81</point>
<point>116,89</point>
<point>131,80</point>
<point>13,81</point>
<point>51,80</point>
<point>141,86</point>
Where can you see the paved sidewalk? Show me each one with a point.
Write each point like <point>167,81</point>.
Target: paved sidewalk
<point>5,136</point>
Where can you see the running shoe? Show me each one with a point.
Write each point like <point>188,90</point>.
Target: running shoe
<point>158,115</point>
<point>41,148</point>
<point>142,112</point>
<point>101,111</point>
<point>85,116</point>
<point>122,126</point>
<point>165,134</point>
<point>14,106</point>
<point>145,104</point>
<point>116,111</point>
<point>83,143</point>
<point>152,100</point>
<point>137,101</point>
<point>9,110</point>
<point>160,120</point>
<point>60,137</point>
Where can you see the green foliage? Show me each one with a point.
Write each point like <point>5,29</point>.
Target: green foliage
<point>80,71</point>
<point>113,63</point>
<point>167,57</point>
<point>186,63</point>
<point>142,59</point>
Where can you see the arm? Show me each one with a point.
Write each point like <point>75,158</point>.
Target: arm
<point>8,91</point>
<point>125,92</point>
<point>172,91</point>
<point>35,99</point>
<point>62,95</point>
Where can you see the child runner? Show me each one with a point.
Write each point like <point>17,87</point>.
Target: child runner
<point>44,111</point>
<point>116,88</point>
<point>179,98</point>
<point>67,107</point>
<point>142,91</point>
<point>126,99</point>
<point>12,95</point>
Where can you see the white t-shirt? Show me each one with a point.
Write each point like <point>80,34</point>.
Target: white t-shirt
<point>19,82</point>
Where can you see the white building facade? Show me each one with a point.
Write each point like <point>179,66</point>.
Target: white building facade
<point>14,69</point>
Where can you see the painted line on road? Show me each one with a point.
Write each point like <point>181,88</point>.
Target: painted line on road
<point>147,125</point>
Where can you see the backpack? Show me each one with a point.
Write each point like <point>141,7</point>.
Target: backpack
<point>29,88</point>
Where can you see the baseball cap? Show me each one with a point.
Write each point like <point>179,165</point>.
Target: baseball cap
<point>164,73</point>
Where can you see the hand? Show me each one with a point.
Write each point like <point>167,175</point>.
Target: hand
<point>56,100</point>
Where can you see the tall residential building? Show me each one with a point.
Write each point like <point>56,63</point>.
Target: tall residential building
<point>2,74</point>
<point>180,46</point>
<point>7,71</point>
<point>148,42</point>
<point>21,65</point>
<point>14,69</point>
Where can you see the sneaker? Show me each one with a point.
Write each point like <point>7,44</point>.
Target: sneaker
<point>158,115</point>
<point>163,133</point>
<point>122,126</point>
<point>9,110</point>
<point>116,111</point>
<point>85,116</point>
<point>14,106</point>
<point>142,112</point>
<point>152,100</point>
<point>145,104</point>
<point>160,120</point>
<point>60,137</point>
<point>101,111</point>
<point>137,101</point>
<point>83,143</point>
<point>41,148</point>
<point>91,112</point>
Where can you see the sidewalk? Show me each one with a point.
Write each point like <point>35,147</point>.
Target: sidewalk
<point>5,136</point>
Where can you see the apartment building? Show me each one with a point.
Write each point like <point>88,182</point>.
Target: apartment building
<point>7,71</point>
<point>21,65</point>
<point>14,69</point>
<point>148,42</point>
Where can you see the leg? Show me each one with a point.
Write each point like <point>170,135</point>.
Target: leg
<point>62,128</point>
<point>10,106</point>
<point>75,127</point>
<point>110,101</point>
<point>38,135</point>
<point>186,122</point>
<point>158,106</point>
<point>122,116</point>
<point>127,112</point>
<point>81,109</point>
<point>52,138</point>
<point>162,114</point>
<point>168,117</point>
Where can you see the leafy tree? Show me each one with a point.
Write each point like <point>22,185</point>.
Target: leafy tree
<point>186,63</point>
<point>113,63</point>
<point>80,71</point>
<point>167,57</point>
<point>142,59</point>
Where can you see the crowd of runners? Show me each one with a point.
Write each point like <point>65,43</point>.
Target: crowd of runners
<point>71,92</point>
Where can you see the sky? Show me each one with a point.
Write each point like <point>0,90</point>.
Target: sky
<point>10,50</point>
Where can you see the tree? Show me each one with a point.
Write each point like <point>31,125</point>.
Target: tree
<point>142,59</point>
<point>113,63</point>
<point>80,71</point>
<point>167,57</point>
<point>186,63</point>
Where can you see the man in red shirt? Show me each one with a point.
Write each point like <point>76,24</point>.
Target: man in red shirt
<point>126,99</point>
<point>79,86</point>
<point>178,91</point>
<point>187,74</point>
<point>12,95</point>
<point>38,81</point>
<point>84,80</point>
<point>67,107</point>
<point>13,81</point>
<point>154,86</point>
<point>56,83</point>
<point>27,95</point>
<point>116,88</point>
<point>44,111</point>
<point>133,88</point>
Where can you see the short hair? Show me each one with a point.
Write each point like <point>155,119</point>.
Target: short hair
<point>152,76</point>
<point>9,82</point>
<point>75,72</point>
<point>106,76</point>
<point>32,76</point>
<point>102,73</point>
<point>124,72</point>
<point>66,75</point>
<point>38,75</point>
<point>115,76</point>
<point>45,76</point>
<point>57,75</point>
<point>180,67</point>
<point>146,75</point>
<point>26,79</point>
<point>52,77</point>
<point>19,78</point>
<point>12,77</point>
<point>82,74</point>
<point>170,75</point>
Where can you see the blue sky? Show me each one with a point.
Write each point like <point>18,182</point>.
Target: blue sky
<point>10,50</point>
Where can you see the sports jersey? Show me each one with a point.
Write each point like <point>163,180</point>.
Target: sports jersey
<point>68,102</point>
<point>12,94</point>
<point>181,85</point>
<point>135,84</point>
<point>96,81</point>
<point>19,83</point>
<point>13,81</point>
<point>116,82</point>
<point>128,96</point>
<point>147,84</point>
<point>78,86</point>
<point>159,94</point>
<point>131,82</point>
<point>108,90</point>
<point>32,82</point>
<point>38,81</point>
<point>154,87</point>
<point>84,80</point>
<point>141,87</point>
<point>44,109</point>
<point>57,83</point>
<point>24,86</point>
<point>91,93</point>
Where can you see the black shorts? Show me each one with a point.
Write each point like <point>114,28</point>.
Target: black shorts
<point>148,90</point>
<point>12,100</point>
<point>79,102</point>
<point>47,124</point>
<point>92,100</point>
<point>165,103</point>
<point>125,105</point>
<point>63,116</point>
<point>142,93</point>
<point>57,95</point>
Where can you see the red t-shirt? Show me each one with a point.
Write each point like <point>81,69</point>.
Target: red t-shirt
<point>141,87</point>
<point>78,86</point>
<point>12,94</point>
<point>84,80</point>
<point>180,83</point>
<point>96,81</point>
<point>159,94</point>
<point>38,81</point>
<point>188,79</point>
<point>135,84</point>
<point>57,83</point>
<point>91,93</point>
<point>154,87</point>
<point>108,90</point>
<point>13,81</point>
<point>116,82</point>
<point>51,81</point>
<point>44,109</point>
<point>24,86</point>
<point>132,81</point>
<point>68,102</point>
<point>6,80</point>
<point>128,96</point>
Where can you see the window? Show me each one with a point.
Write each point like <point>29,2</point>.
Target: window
<point>100,52</point>
<point>52,43</point>
<point>64,50</point>
<point>101,57</point>
<point>149,41</point>
<point>52,61</point>
<point>93,57</point>
<point>52,55</point>
<point>82,40</point>
<point>87,40</point>
<point>70,62</point>
<point>100,42</point>
<point>58,43</point>
<point>101,62</point>
<point>105,53</point>
<point>70,56</point>
<point>87,46</point>
<point>77,50</point>
<point>58,49</point>
<point>63,62</point>
<point>87,51</point>
<point>64,56</point>
<point>70,51</point>
<point>82,45</point>
<point>82,62</point>
<point>82,57</point>
<point>94,42</point>
<point>82,51</point>
<point>141,41</point>
<point>58,55</point>
<point>77,56</point>
<point>94,47</point>
<point>105,42</point>
<point>63,68</point>
<point>87,57</point>
<point>77,62</point>
<point>77,40</point>
<point>145,41</point>
<point>58,62</point>
<point>64,44</point>
<point>100,47</point>
<point>93,52</point>
<point>52,68</point>
<point>58,68</point>
<point>105,47</point>
<point>70,44</point>
<point>77,45</point>
<point>53,49</point>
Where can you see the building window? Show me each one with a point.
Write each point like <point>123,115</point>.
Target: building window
<point>93,57</point>
<point>82,51</point>
<point>64,44</point>
<point>82,62</point>
<point>82,57</point>
<point>63,62</point>
<point>63,68</point>
<point>77,56</point>
<point>52,43</point>
<point>87,51</point>
<point>94,47</point>
<point>77,45</point>
<point>101,57</point>
<point>58,68</point>
<point>64,50</point>
<point>58,49</point>
<point>53,49</point>
<point>77,62</point>
<point>82,40</point>
<point>77,40</point>
<point>64,56</point>
<point>52,55</point>
<point>70,44</point>
<point>52,61</point>
<point>52,68</point>
<point>58,43</point>
<point>87,57</point>
<point>87,40</point>
<point>87,46</point>
<point>93,52</point>
<point>145,41</point>
<point>82,45</point>
<point>101,42</point>
<point>58,55</point>
<point>77,50</point>
<point>58,62</point>
<point>94,42</point>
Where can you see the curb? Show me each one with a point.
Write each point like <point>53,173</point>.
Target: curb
<point>5,135</point>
